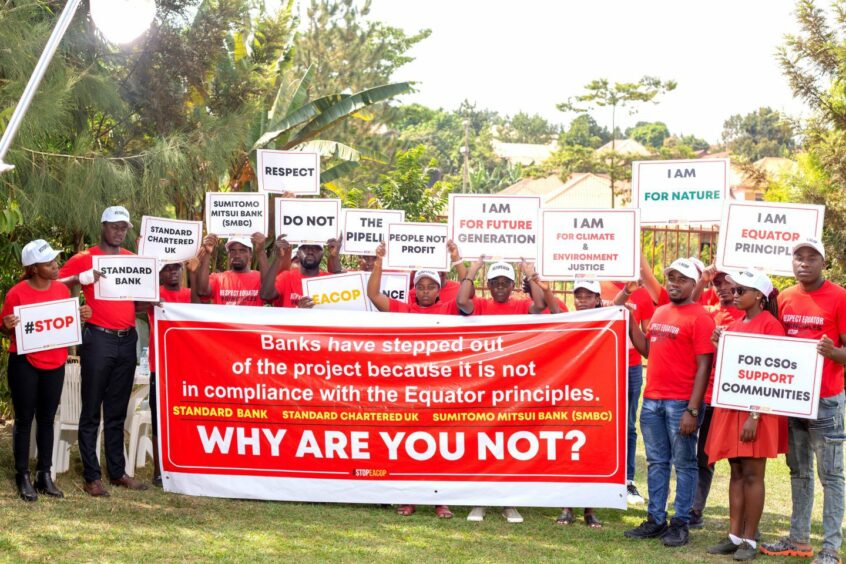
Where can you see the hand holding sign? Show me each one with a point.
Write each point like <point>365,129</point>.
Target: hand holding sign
<point>305,302</point>
<point>380,250</point>
<point>258,240</point>
<point>10,322</point>
<point>281,247</point>
<point>452,249</point>
<point>209,244</point>
<point>333,245</point>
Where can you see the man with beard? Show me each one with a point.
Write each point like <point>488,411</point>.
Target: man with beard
<point>284,288</point>
<point>107,358</point>
<point>240,284</point>
<point>678,346</point>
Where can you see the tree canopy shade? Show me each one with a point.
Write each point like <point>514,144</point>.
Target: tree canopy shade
<point>649,134</point>
<point>762,133</point>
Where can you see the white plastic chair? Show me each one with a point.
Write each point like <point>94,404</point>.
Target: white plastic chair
<point>137,427</point>
<point>66,427</point>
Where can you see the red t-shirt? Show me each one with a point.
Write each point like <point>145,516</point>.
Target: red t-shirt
<point>810,315</point>
<point>115,315</point>
<point>723,316</point>
<point>488,306</point>
<point>447,293</point>
<point>236,288</point>
<point>289,284</point>
<point>709,297</point>
<point>641,309</point>
<point>440,307</point>
<point>663,297</point>
<point>677,334</point>
<point>24,294</point>
<point>180,296</point>
<point>561,304</point>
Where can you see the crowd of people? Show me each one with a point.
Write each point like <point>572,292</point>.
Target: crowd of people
<point>676,326</point>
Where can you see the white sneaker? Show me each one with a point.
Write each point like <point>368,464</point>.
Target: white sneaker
<point>633,496</point>
<point>512,515</point>
<point>477,514</point>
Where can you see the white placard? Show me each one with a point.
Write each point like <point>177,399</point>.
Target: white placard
<point>339,292</point>
<point>47,325</point>
<point>499,227</point>
<point>170,240</point>
<point>127,277</point>
<point>364,229</point>
<point>762,235</point>
<point>311,221</point>
<point>417,246</point>
<point>778,375</point>
<point>394,285</point>
<point>593,244</point>
<point>236,214</point>
<point>682,191</point>
<point>288,171</point>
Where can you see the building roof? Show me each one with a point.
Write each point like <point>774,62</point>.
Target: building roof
<point>533,186</point>
<point>523,153</point>
<point>626,147</point>
<point>580,190</point>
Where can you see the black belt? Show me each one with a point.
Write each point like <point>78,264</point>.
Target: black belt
<point>116,332</point>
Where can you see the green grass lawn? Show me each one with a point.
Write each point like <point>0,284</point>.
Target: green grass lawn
<point>154,526</point>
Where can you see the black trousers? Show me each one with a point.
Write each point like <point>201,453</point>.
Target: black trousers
<point>107,371</point>
<point>35,394</point>
<point>154,406</point>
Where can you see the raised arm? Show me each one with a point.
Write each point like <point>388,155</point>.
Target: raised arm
<point>280,263</point>
<point>200,287</point>
<point>374,283</point>
<point>539,292</point>
<point>333,255</point>
<point>259,240</point>
<point>649,281</point>
<point>638,338</point>
<point>464,299</point>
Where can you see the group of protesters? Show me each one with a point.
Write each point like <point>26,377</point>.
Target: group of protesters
<point>676,326</point>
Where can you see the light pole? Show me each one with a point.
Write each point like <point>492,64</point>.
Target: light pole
<point>120,21</point>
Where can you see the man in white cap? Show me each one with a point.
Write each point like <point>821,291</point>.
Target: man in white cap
<point>815,308</point>
<point>107,358</point>
<point>239,285</point>
<point>678,346</point>
<point>282,286</point>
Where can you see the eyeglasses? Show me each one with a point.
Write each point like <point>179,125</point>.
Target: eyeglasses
<point>739,290</point>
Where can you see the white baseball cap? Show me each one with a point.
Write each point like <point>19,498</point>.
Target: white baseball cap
<point>753,279</point>
<point>815,244</point>
<point>430,274</point>
<point>589,285</point>
<point>115,214</point>
<point>242,240</point>
<point>684,267</point>
<point>698,263</point>
<point>37,251</point>
<point>501,269</point>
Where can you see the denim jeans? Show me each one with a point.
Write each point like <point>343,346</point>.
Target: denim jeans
<point>665,446</point>
<point>806,440</point>
<point>635,383</point>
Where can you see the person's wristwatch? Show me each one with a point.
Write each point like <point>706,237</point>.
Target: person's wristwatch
<point>693,411</point>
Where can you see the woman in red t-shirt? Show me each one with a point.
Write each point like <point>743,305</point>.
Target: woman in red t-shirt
<point>35,379</point>
<point>747,439</point>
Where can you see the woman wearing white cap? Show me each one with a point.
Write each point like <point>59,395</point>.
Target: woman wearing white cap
<point>747,439</point>
<point>35,379</point>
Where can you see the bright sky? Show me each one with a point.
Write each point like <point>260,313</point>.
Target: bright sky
<point>528,55</point>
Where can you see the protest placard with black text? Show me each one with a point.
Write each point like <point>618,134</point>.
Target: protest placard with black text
<point>680,191</point>
<point>415,246</point>
<point>309,221</point>
<point>126,277</point>
<point>170,240</point>
<point>498,227</point>
<point>294,172</point>
<point>364,229</point>
<point>236,214</point>
<point>47,325</point>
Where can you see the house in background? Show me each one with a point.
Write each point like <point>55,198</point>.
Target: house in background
<point>523,153</point>
<point>626,147</point>
<point>583,190</point>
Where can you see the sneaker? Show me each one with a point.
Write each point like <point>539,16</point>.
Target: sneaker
<point>633,496</point>
<point>696,521</point>
<point>786,547</point>
<point>745,552</point>
<point>826,556</point>
<point>649,529</point>
<point>723,547</point>
<point>477,514</point>
<point>512,515</point>
<point>677,533</point>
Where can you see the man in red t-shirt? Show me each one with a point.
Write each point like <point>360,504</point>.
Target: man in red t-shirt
<point>678,346</point>
<point>240,285</point>
<point>815,308</point>
<point>501,285</point>
<point>282,286</point>
<point>107,359</point>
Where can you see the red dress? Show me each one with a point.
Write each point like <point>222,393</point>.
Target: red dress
<point>726,424</point>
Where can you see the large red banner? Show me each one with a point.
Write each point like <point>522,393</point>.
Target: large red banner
<point>393,408</point>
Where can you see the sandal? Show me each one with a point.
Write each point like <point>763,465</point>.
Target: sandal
<point>406,510</point>
<point>566,517</point>
<point>443,512</point>
<point>591,520</point>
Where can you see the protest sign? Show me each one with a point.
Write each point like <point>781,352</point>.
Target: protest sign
<point>682,191</point>
<point>762,235</point>
<point>395,285</point>
<point>236,214</point>
<point>295,172</point>
<point>427,409</point>
<point>777,375</point>
<point>364,229</point>
<point>170,240</point>
<point>595,244</point>
<point>47,325</point>
<point>127,277</point>
<point>499,227</point>
<point>338,292</point>
<point>415,246</point>
<point>311,221</point>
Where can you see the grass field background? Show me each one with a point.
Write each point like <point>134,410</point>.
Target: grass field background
<point>155,526</point>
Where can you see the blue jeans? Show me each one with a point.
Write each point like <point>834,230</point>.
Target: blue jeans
<point>665,446</point>
<point>635,383</point>
<point>806,441</point>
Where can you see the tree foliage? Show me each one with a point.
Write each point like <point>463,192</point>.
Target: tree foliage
<point>762,133</point>
<point>525,128</point>
<point>413,186</point>
<point>649,134</point>
<point>584,132</point>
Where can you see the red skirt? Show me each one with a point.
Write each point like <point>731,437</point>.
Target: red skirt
<point>724,436</point>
